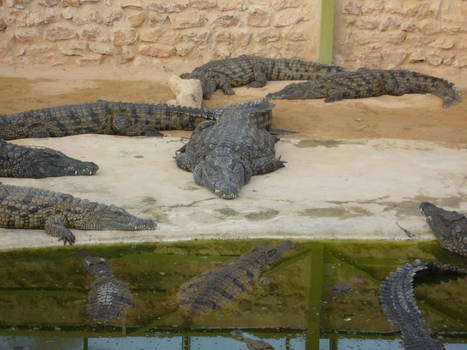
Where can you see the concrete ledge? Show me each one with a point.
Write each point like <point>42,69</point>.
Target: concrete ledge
<point>346,189</point>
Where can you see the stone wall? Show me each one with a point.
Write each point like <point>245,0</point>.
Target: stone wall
<point>425,35</point>
<point>86,32</point>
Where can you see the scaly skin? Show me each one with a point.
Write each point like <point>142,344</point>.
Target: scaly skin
<point>113,118</point>
<point>368,83</point>
<point>449,227</point>
<point>108,298</point>
<point>221,285</point>
<point>32,162</point>
<point>399,305</point>
<point>32,208</point>
<point>101,117</point>
<point>254,72</point>
<point>252,344</point>
<point>224,155</point>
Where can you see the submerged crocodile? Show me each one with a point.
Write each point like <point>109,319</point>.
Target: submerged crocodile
<point>33,208</point>
<point>221,285</point>
<point>368,83</point>
<point>449,227</point>
<point>103,117</point>
<point>39,162</point>
<point>252,344</point>
<point>109,297</point>
<point>399,305</point>
<point>223,156</point>
<point>254,72</point>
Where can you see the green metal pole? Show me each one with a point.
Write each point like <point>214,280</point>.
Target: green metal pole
<point>315,292</point>
<point>327,31</point>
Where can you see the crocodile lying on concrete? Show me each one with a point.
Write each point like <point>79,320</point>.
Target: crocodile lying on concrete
<point>254,72</point>
<point>449,227</point>
<point>39,162</point>
<point>103,117</point>
<point>252,344</point>
<point>108,298</point>
<point>32,208</point>
<point>223,156</point>
<point>221,285</point>
<point>399,305</point>
<point>368,83</point>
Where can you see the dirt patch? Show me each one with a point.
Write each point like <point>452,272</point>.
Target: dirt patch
<point>412,117</point>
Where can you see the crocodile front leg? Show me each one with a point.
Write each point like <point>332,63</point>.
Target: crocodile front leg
<point>267,164</point>
<point>184,161</point>
<point>260,76</point>
<point>122,126</point>
<point>55,226</point>
<point>226,86</point>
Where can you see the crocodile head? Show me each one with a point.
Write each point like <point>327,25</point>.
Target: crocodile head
<point>449,227</point>
<point>268,255</point>
<point>94,216</point>
<point>97,266</point>
<point>46,162</point>
<point>310,89</point>
<point>223,174</point>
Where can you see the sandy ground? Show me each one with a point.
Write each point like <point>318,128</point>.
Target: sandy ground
<point>356,169</point>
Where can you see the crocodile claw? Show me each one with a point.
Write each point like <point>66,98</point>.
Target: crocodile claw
<point>67,236</point>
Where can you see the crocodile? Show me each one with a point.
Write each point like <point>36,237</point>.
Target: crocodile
<point>55,212</point>
<point>449,227</point>
<point>223,156</point>
<point>39,162</point>
<point>108,298</point>
<point>254,72</point>
<point>217,287</point>
<point>252,344</point>
<point>400,308</point>
<point>368,83</point>
<point>104,117</point>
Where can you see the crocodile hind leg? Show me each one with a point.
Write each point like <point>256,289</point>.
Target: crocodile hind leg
<point>267,164</point>
<point>39,132</point>
<point>260,76</point>
<point>334,95</point>
<point>55,226</point>
<point>122,126</point>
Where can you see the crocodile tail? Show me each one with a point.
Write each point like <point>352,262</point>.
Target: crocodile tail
<point>449,93</point>
<point>291,69</point>
<point>414,82</point>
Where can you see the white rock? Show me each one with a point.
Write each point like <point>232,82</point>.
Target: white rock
<point>188,92</point>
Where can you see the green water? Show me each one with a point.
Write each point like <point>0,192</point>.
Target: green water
<point>319,295</point>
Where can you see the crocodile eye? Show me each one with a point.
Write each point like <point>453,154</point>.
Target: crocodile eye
<point>211,146</point>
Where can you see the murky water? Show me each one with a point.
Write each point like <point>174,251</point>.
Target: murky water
<point>320,295</point>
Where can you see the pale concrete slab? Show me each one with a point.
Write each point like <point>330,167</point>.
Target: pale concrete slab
<point>337,189</point>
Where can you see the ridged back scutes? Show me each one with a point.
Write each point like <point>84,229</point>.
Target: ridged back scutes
<point>217,287</point>
<point>400,307</point>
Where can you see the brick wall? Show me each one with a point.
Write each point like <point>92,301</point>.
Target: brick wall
<point>86,32</point>
<point>424,35</point>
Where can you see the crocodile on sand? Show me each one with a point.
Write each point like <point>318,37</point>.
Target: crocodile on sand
<point>33,208</point>
<point>223,156</point>
<point>109,297</point>
<point>400,307</point>
<point>254,72</point>
<point>225,283</point>
<point>449,227</point>
<point>39,162</point>
<point>252,344</point>
<point>368,83</point>
<point>103,117</point>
